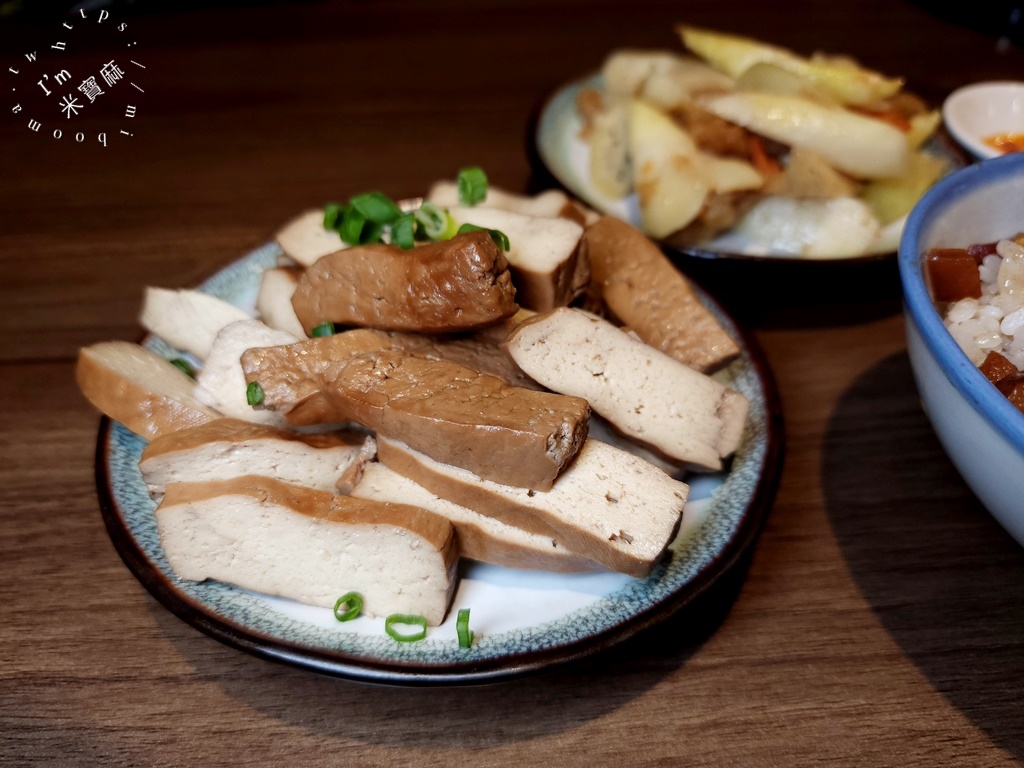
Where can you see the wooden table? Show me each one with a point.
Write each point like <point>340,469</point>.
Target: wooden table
<point>881,621</point>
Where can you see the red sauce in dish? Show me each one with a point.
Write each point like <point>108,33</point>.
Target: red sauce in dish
<point>1006,142</point>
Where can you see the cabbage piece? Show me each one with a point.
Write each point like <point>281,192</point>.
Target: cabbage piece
<point>843,79</point>
<point>661,78</point>
<point>667,175</point>
<point>893,198</point>
<point>861,146</point>
<point>609,163</point>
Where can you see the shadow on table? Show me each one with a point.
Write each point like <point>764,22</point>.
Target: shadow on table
<point>474,716</point>
<point>943,577</point>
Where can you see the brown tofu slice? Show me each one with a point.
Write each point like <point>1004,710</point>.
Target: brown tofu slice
<point>453,285</point>
<point>479,350</point>
<point>136,387</point>
<point>645,292</point>
<point>314,362</point>
<point>454,414</point>
<point>293,377</point>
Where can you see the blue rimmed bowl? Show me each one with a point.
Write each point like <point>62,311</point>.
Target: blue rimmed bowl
<point>981,431</point>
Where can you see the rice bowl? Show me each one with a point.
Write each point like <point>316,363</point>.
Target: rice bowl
<point>981,431</point>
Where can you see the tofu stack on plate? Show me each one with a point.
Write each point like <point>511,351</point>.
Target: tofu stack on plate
<point>386,410</point>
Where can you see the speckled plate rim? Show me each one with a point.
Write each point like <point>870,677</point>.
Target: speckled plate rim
<point>549,125</point>
<point>669,588</point>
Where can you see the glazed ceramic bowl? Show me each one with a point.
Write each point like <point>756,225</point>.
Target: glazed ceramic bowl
<point>982,432</point>
<point>981,111</point>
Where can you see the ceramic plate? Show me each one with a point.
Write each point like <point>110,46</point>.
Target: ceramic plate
<point>977,113</point>
<point>523,621</point>
<point>567,156</point>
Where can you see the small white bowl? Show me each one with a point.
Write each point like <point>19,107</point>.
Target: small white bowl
<point>982,110</point>
<point>981,431</point>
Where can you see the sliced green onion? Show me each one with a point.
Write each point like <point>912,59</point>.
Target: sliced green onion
<point>351,229</point>
<point>376,207</point>
<point>433,219</point>
<point>184,366</point>
<point>500,238</point>
<point>333,215</point>
<point>254,393</point>
<point>472,185</point>
<point>451,228</point>
<point>462,627</point>
<point>419,232</point>
<point>372,233</point>
<point>403,231</point>
<point>354,601</point>
<point>409,619</point>
<point>324,329</point>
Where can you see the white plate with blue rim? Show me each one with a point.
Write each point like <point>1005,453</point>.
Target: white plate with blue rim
<point>523,622</point>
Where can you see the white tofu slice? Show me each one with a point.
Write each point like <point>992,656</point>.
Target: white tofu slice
<point>551,203</point>
<point>481,537</point>
<point>609,505</point>
<point>221,384</point>
<point>304,239</point>
<point>645,393</point>
<point>311,546</point>
<point>227,448</point>
<point>274,300</point>
<point>186,319</point>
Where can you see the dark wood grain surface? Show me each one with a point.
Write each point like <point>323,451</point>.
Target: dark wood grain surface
<point>880,621</point>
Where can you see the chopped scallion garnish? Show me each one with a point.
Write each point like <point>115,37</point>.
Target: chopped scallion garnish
<point>324,329</point>
<point>372,233</point>
<point>433,219</point>
<point>353,605</point>
<point>451,229</point>
<point>500,238</point>
<point>333,215</point>
<point>376,207</point>
<point>351,229</point>
<point>409,620</point>
<point>403,231</point>
<point>254,393</point>
<point>472,185</point>
<point>373,217</point>
<point>184,366</point>
<point>462,627</point>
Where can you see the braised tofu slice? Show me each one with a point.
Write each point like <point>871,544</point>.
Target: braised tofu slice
<point>311,546</point>
<point>452,285</point>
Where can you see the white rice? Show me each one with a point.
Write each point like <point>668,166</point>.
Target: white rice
<point>996,320</point>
